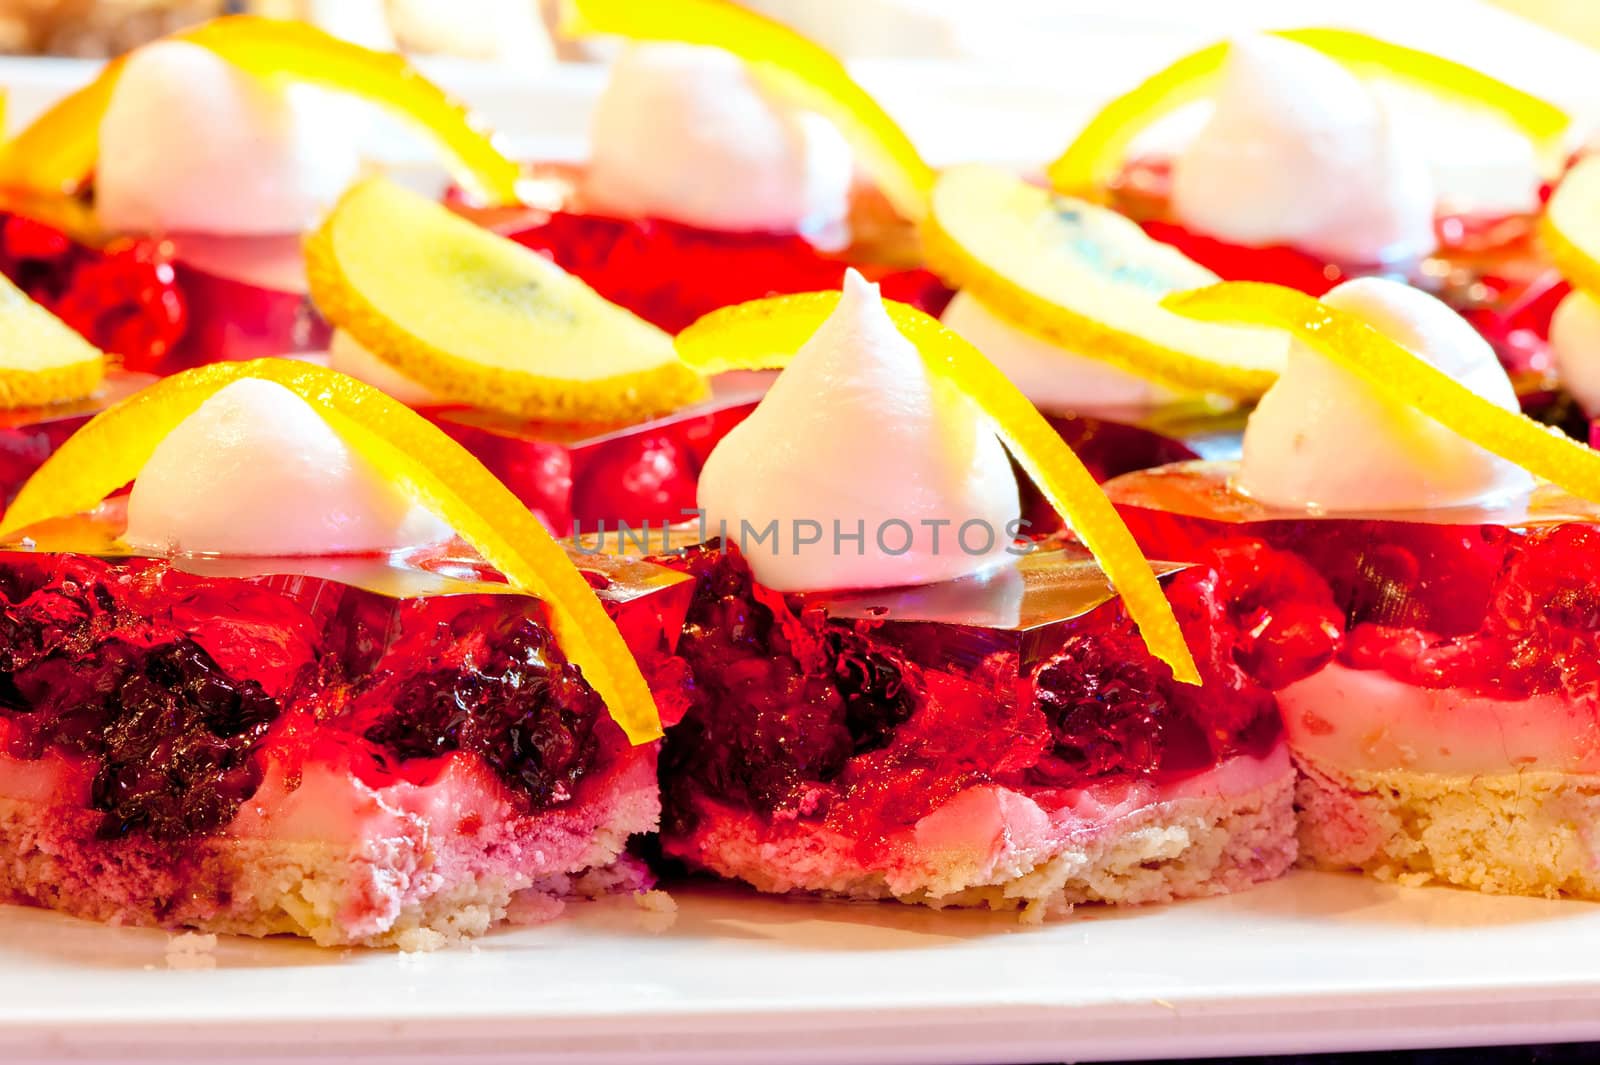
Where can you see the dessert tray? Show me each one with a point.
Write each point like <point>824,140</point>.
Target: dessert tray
<point>711,972</point>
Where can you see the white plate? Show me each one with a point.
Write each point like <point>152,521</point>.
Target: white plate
<point>1314,962</point>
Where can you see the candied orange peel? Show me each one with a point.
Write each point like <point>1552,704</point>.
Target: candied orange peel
<point>112,448</point>
<point>56,153</point>
<point>479,319</point>
<point>1400,376</point>
<point>804,70</point>
<point>765,334</point>
<point>1094,157</point>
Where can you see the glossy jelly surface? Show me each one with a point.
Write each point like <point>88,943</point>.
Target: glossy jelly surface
<point>1499,600</point>
<point>865,711</point>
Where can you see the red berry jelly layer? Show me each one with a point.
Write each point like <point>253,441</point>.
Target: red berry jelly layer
<point>1502,602</point>
<point>157,312</point>
<point>172,687</point>
<point>864,712</point>
<point>576,477</point>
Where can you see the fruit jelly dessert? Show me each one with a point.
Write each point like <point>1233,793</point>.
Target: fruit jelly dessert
<point>575,477</point>
<point>363,750</point>
<point>1447,730</point>
<point>1007,742</point>
<point>1488,267</point>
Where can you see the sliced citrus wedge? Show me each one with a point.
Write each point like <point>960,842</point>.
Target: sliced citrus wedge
<point>1084,277</point>
<point>805,71</point>
<point>765,334</point>
<point>1571,226</point>
<point>42,360</point>
<point>57,152</point>
<point>1400,376</point>
<point>480,319</point>
<point>111,449</point>
<point>1093,159</point>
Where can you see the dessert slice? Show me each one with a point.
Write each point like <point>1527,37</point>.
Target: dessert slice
<point>1443,722</point>
<point>722,168</point>
<point>1301,176</point>
<point>895,698</point>
<point>270,691</point>
<point>589,416</point>
<point>208,170</point>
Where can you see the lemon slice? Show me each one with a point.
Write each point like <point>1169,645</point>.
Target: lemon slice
<point>804,70</point>
<point>1571,225</point>
<point>1400,376</point>
<point>480,319</point>
<point>1093,159</point>
<point>1086,278</point>
<point>111,449</point>
<point>57,152</point>
<point>764,334</point>
<point>42,360</point>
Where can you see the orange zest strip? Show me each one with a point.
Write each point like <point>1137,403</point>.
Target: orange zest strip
<point>1400,376</point>
<point>110,450</point>
<point>764,334</point>
<point>57,152</point>
<point>804,69</point>
<point>1093,159</point>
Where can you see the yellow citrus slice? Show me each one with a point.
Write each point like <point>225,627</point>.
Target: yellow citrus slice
<point>1571,225</point>
<point>1400,376</point>
<point>58,150</point>
<point>111,449</point>
<point>804,70</point>
<point>480,319</point>
<point>1093,159</point>
<point>42,360</point>
<point>1084,277</point>
<point>764,334</point>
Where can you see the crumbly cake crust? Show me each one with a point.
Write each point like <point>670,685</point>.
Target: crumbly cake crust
<point>1178,848</point>
<point>1523,833</point>
<point>411,891</point>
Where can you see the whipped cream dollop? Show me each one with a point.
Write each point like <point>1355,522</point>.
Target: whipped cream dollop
<point>256,471</point>
<point>684,133</point>
<point>347,355</point>
<point>1056,378</point>
<point>191,144</point>
<point>1298,151</point>
<point>1575,344</point>
<point>1323,439</point>
<point>856,436</point>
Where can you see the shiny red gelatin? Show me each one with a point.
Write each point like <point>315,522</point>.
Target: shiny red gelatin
<point>1500,601</point>
<point>28,436</point>
<point>863,712</point>
<point>671,274</point>
<point>1488,267</point>
<point>169,686</point>
<point>248,299</point>
<point>576,477</point>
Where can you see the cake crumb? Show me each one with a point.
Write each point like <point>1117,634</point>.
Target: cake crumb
<point>658,910</point>
<point>192,951</point>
